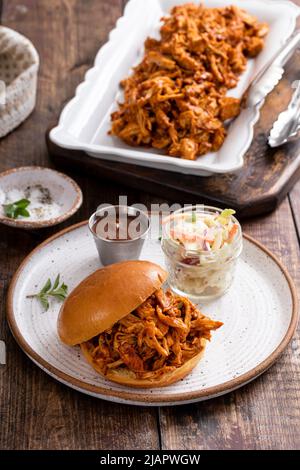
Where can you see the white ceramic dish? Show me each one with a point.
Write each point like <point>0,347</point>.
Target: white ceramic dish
<point>259,314</point>
<point>65,193</point>
<point>85,121</point>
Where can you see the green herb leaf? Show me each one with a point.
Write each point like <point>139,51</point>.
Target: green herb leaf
<point>9,211</point>
<point>46,287</point>
<point>24,212</point>
<point>60,293</point>
<point>44,301</point>
<point>194,217</point>
<point>55,291</point>
<point>16,209</point>
<point>56,282</point>
<point>23,203</point>
<point>64,287</point>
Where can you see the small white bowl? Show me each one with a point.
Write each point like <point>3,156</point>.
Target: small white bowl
<point>64,192</point>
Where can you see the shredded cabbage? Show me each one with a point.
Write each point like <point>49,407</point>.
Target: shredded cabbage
<point>202,260</point>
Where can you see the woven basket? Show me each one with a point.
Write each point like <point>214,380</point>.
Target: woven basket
<point>19,64</point>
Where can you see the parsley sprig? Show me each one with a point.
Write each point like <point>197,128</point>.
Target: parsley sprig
<point>16,209</point>
<point>57,291</point>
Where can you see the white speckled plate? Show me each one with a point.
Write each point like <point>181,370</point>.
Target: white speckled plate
<point>259,314</point>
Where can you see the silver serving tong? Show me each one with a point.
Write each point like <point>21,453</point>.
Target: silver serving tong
<point>287,126</point>
<point>2,353</point>
<point>264,82</point>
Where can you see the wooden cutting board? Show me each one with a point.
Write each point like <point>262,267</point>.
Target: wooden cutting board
<point>265,179</point>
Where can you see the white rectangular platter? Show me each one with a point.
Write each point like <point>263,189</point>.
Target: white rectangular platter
<point>85,121</point>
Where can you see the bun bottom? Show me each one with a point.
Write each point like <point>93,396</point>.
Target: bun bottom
<point>127,377</point>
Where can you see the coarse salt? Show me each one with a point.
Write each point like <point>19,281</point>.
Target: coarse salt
<point>41,207</point>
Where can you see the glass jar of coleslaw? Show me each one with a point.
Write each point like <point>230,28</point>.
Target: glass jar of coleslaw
<point>201,246</point>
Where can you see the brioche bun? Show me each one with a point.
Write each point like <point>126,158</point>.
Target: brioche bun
<point>105,297</point>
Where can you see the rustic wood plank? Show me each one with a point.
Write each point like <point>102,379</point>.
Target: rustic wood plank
<point>35,411</point>
<point>295,204</point>
<point>264,414</point>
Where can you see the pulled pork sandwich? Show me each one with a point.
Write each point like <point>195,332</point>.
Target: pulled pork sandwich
<point>130,330</point>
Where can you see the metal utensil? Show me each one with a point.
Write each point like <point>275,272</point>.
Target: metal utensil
<point>2,353</point>
<point>287,126</point>
<point>113,248</point>
<point>269,76</point>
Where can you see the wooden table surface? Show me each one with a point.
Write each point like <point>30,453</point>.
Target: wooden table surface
<point>36,412</point>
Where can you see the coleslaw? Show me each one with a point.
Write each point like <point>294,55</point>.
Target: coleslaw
<point>201,245</point>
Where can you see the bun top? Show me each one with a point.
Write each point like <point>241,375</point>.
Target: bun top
<point>105,297</point>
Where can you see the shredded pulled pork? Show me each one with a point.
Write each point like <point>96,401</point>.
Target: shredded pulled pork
<point>176,97</point>
<point>158,337</point>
